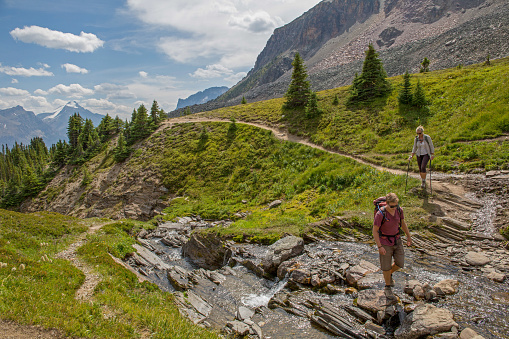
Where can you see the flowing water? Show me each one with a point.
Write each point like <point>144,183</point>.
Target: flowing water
<point>480,303</point>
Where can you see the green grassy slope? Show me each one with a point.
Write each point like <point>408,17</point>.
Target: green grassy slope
<point>213,167</point>
<point>467,105</point>
<point>43,292</point>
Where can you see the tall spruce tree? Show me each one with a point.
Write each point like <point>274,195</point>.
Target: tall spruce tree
<point>419,96</point>
<point>372,83</point>
<point>405,95</point>
<point>299,89</point>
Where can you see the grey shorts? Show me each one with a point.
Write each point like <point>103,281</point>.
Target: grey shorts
<point>395,251</point>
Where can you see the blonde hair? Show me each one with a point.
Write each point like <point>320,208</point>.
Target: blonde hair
<point>391,197</point>
<point>419,129</point>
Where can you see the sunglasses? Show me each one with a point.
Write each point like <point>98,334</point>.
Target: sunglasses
<point>419,133</point>
<point>392,206</point>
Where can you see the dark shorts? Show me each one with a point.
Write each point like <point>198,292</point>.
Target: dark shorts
<point>397,252</point>
<point>422,161</point>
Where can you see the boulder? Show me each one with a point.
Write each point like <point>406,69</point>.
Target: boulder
<point>244,313</point>
<point>280,251</point>
<point>205,249</point>
<point>200,305</point>
<point>360,270</point>
<point>372,300</point>
<point>301,276</point>
<point>371,281</point>
<point>410,285</point>
<point>469,333</point>
<point>447,286</point>
<point>179,278</point>
<point>476,259</point>
<point>238,327</point>
<point>496,277</point>
<point>425,320</point>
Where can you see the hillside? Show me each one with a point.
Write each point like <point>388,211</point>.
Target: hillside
<point>39,286</point>
<point>333,35</point>
<point>382,132</point>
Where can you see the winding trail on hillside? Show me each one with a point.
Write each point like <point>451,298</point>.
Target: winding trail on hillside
<point>441,186</point>
<point>453,195</point>
<point>86,290</point>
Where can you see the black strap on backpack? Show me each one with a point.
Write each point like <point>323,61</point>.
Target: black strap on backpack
<point>392,238</point>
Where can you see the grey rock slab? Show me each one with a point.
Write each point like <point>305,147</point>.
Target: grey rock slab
<point>244,313</point>
<point>280,251</point>
<point>151,257</point>
<point>199,304</point>
<point>371,281</point>
<point>425,320</point>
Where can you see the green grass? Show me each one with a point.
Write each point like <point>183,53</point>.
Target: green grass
<point>214,167</point>
<point>43,293</point>
<point>467,104</point>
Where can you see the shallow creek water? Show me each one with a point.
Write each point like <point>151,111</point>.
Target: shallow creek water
<point>480,303</point>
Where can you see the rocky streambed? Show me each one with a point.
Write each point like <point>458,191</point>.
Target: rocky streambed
<point>316,288</point>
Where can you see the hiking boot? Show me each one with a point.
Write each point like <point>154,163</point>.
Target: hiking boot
<point>423,183</point>
<point>388,293</point>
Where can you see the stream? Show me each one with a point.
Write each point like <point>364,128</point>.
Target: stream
<point>480,303</point>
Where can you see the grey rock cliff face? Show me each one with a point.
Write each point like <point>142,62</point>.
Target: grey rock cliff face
<point>332,38</point>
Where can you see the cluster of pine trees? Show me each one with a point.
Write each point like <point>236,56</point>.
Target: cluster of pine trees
<point>23,171</point>
<point>26,169</point>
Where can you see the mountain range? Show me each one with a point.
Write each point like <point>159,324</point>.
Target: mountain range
<point>332,37</point>
<point>19,125</point>
<point>201,97</point>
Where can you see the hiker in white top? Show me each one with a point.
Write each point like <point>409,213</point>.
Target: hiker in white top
<point>424,149</point>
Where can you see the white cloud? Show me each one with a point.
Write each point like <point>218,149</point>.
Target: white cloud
<point>25,72</point>
<point>70,68</point>
<point>40,92</point>
<point>73,90</point>
<point>256,22</point>
<point>11,91</point>
<point>234,78</point>
<point>217,30</point>
<point>14,81</point>
<point>211,71</point>
<point>143,74</point>
<point>85,42</point>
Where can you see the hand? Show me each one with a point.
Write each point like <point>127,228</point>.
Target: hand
<point>409,242</point>
<point>409,158</point>
<point>432,157</point>
<point>381,250</point>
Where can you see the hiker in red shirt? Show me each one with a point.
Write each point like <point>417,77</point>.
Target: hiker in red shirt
<point>386,224</point>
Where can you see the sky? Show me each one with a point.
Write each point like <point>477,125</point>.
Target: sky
<point>111,56</point>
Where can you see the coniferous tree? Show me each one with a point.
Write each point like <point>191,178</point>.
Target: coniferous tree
<point>74,128</point>
<point>312,109</point>
<point>121,151</point>
<point>405,95</point>
<point>106,128</point>
<point>419,96</point>
<point>424,66</point>
<point>372,83</point>
<point>244,101</point>
<point>299,89</point>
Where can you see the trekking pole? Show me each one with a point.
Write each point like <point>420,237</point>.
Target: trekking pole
<point>430,187</point>
<point>408,169</point>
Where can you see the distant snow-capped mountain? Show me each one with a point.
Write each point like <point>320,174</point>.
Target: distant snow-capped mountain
<point>19,125</point>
